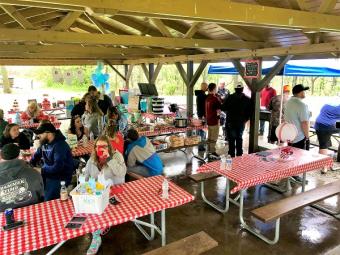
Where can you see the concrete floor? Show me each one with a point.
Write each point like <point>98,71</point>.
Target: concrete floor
<point>306,231</point>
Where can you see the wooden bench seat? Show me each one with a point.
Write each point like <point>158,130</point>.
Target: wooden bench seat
<point>275,210</point>
<point>191,245</point>
<point>284,206</point>
<point>201,177</point>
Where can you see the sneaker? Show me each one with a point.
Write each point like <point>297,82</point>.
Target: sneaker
<point>95,244</point>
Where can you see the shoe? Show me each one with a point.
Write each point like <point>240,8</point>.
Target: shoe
<point>95,244</point>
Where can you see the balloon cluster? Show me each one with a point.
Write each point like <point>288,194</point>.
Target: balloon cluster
<point>99,78</point>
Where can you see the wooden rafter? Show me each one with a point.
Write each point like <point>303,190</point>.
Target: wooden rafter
<point>28,13</point>
<point>52,62</point>
<point>67,21</point>
<point>127,40</point>
<point>192,30</point>
<point>327,6</point>
<point>322,48</point>
<point>182,28</point>
<point>115,70</point>
<point>45,5</point>
<point>301,4</point>
<point>161,27</point>
<point>242,33</point>
<point>111,25</point>
<point>16,15</point>
<point>201,10</point>
<point>97,24</point>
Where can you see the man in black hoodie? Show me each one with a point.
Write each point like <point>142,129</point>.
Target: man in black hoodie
<point>58,164</point>
<point>20,185</point>
<point>200,106</point>
<point>238,109</point>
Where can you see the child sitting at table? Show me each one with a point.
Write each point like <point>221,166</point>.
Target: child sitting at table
<point>33,114</point>
<point>115,136</point>
<point>114,114</point>
<point>107,166</point>
<point>141,156</point>
<point>92,118</point>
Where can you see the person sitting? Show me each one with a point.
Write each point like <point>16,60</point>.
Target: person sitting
<point>104,101</point>
<point>114,114</point>
<point>92,118</point>
<point>13,135</point>
<point>33,114</point>
<point>56,158</point>
<point>20,185</point>
<point>79,108</point>
<point>325,126</point>
<point>3,123</point>
<point>115,136</point>
<point>77,128</point>
<point>107,166</point>
<point>141,156</point>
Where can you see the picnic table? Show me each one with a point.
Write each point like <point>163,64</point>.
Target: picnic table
<point>169,131</point>
<point>82,150</point>
<point>251,169</point>
<point>35,125</point>
<point>44,222</point>
<point>153,116</point>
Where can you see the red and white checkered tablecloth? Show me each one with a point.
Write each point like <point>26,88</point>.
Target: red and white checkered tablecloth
<point>83,150</point>
<point>250,170</point>
<point>35,125</point>
<point>154,115</point>
<point>169,130</point>
<point>45,221</point>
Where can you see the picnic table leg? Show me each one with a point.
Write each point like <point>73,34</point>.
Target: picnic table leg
<point>227,198</point>
<point>163,229</point>
<point>151,225</point>
<point>55,248</point>
<point>326,210</point>
<point>254,231</point>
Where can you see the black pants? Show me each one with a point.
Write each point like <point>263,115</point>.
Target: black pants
<point>235,134</point>
<point>303,144</point>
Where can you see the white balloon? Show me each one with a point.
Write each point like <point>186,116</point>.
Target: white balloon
<point>286,132</point>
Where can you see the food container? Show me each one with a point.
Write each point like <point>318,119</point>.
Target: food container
<point>85,203</point>
<point>181,122</point>
<point>176,141</point>
<point>192,140</point>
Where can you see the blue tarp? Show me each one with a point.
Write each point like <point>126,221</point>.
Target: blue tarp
<point>289,70</point>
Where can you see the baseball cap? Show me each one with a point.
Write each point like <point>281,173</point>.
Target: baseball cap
<point>10,151</point>
<point>286,88</point>
<point>45,127</point>
<point>238,86</point>
<point>298,88</point>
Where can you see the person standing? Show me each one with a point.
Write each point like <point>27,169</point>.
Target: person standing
<point>238,109</point>
<point>200,109</point>
<point>266,95</point>
<point>104,101</point>
<point>275,107</point>
<point>212,111</point>
<point>223,93</point>
<point>56,158</point>
<point>297,113</point>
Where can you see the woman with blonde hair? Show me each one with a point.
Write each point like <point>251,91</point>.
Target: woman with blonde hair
<point>33,113</point>
<point>92,118</point>
<point>107,166</point>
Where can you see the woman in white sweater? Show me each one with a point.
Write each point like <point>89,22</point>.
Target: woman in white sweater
<point>108,167</point>
<point>92,118</point>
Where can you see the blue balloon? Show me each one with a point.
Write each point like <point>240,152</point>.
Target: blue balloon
<point>99,78</point>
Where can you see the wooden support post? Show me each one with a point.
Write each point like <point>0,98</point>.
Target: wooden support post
<point>182,72</point>
<point>145,71</point>
<point>156,73</point>
<point>128,72</point>
<point>198,73</point>
<point>151,71</point>
<point>190,89</point>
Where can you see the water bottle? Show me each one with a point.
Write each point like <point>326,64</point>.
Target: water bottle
<point>165,189</point>
<point>223,164</point>
<point>85,140</point>
<point>91,136</point>
<point>229,163</point>
<point>63,191</point>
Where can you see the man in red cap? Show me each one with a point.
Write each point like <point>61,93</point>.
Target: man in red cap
<point>266,95</point>
<point>277,110</point>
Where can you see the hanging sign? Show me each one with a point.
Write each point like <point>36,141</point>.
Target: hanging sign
<point>57,75</point>
<point>252,69</point>
<point>68,77</point>
<point>80,75</point>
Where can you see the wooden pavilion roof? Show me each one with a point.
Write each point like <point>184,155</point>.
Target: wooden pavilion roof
<point>57,32</point>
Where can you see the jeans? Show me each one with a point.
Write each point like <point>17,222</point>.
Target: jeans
<point>212,137</point>
<point>141,170</point>
<point>235,134</point>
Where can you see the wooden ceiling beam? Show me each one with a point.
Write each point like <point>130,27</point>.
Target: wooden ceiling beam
<point>161,27</point>
<point>192,30</point>
<point>143,29</point>
<point>75,49</point>
<point>327,6</point>
<point>240,32</point>
<point>307,49</point>
<point>226,12</point>
<point>52,62</point>
<point>182,28</point>
<point>67,21</point>
<point>97,24</point>
<point>40,5</point>
<point>7,35</point>
<point>28,13</point>
<point>17,16</point>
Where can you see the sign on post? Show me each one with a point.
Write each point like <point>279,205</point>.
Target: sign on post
<point>252,69</point>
